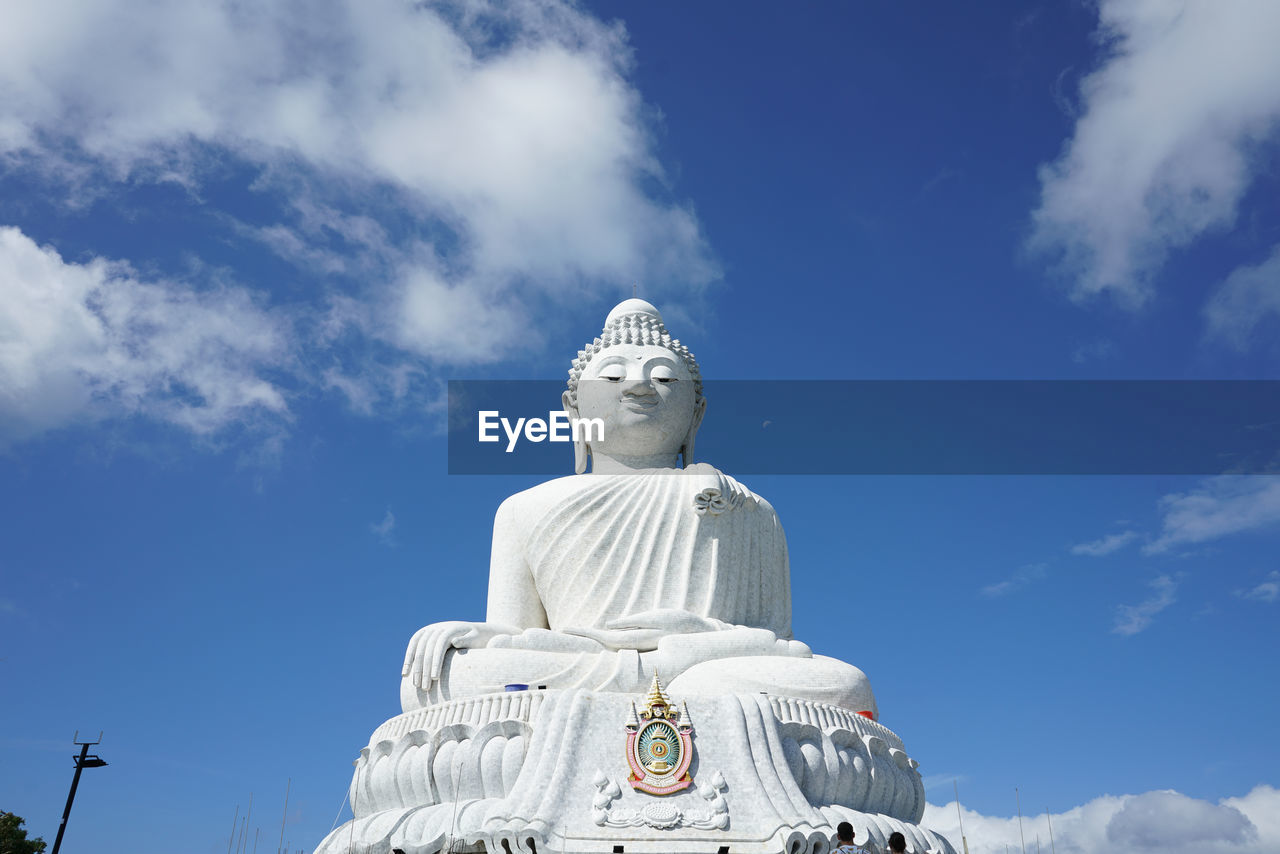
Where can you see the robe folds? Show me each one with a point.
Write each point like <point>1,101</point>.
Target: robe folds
<point>629,543</point>
<point>593,549</point>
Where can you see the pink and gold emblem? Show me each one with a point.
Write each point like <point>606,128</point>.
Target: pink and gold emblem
<point>659,745</point>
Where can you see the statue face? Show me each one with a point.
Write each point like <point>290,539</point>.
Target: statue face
<point>644,394</point>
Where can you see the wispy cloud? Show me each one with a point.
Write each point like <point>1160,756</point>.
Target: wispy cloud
<point>1105,545</point>
<point>1158,822</point>
<point>1022,577</point>
<point>1131,619</point>
<point>1145,173</point>
<point>1219,507</point>
<point>937,781</point>
<point>1247,298</point>
<point>1093,351</point>
<point>1266,591</point>
<point>384,528</point>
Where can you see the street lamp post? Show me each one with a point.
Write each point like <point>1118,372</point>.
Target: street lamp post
<point>84,760</point>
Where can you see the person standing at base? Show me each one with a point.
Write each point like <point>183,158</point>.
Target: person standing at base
<point>897,843</point>
<point>844,835</point>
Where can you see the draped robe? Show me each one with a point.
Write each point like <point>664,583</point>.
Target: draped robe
<point>595,548</point>
<point>624,544</point>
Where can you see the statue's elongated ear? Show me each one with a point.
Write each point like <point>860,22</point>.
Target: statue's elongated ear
<point>581,450</point>
<point>686,450</point>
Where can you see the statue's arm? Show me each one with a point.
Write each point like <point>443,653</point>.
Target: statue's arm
<point>779,584</point>
<point>513,607</point>
<point>513,596</point>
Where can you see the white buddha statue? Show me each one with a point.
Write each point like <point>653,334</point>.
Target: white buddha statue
<point>648,566</point>
<point>599,580</point>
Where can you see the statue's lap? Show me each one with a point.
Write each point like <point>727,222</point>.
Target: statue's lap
<point>473,672</point>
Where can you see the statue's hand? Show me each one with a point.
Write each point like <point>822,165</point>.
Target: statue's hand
<point>642,631</point>
<point>545,640</point>
<point>424,659</point>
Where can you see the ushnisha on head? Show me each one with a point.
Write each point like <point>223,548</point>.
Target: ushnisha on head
<point>644,386</point>
<point>633,321</point>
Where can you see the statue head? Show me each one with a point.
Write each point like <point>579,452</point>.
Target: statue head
<point>643,385</point>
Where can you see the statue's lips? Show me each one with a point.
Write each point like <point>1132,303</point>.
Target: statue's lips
<point>636,404</point>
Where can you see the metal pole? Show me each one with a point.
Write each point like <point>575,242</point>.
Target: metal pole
<point>1020,836</point>
<point>84,760</point>
<point>234,822</point>
<point>71,796</point>
<point>287,787</point>
<point>244,837</point>
<point>1053,848</point>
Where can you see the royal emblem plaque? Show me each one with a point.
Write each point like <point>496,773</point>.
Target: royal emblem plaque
<point>659,744</point>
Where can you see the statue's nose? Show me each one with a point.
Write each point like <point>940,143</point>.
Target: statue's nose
<point>639,386</point>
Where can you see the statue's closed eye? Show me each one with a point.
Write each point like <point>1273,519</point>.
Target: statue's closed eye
<point>663,374</point>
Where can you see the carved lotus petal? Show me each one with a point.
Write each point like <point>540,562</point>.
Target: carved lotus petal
<point>661,815</point>
<point>709,501</point>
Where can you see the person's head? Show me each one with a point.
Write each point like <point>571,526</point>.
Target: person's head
<point>844,831</point>
<point>897,843</point>
<point>643,385</point>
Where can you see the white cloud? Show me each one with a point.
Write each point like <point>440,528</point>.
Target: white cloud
<point>1244,301</point>
<point>1131,619</point>
<point>1266,591</point>
<point>1261,808</point>
<point>512,126</point>
<point>92,340</point>
<point>1161,153</point>
<point>1166,822</point>
<point>1024,576</point>
<point>465,164</point>
<point>1161,820</point>
<point>1105,545</point>
<point>456,322</point>
<point>1219,507</point>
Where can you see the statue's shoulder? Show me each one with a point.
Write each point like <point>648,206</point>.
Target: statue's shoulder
<point>525,507</point>
<point>731,485</point>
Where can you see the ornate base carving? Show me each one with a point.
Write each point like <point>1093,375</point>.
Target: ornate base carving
<point>546,771</point>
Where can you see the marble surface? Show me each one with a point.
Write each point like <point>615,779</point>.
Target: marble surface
<point>648,564</point>
<point>548,771</point>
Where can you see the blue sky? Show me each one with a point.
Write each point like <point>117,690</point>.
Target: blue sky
<point>242,248</point>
